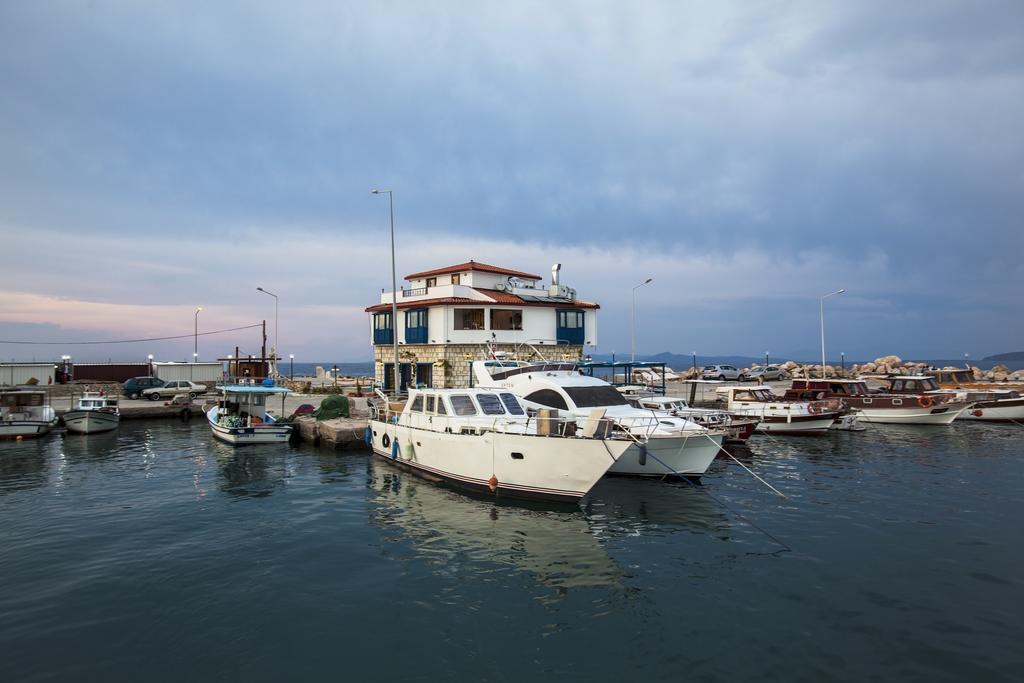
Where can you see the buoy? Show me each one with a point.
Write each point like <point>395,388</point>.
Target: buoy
<point>978,413</point>
<point>643,454</point>
<point>492,483</point>
<point>18,438</point>
<point>368,436</point>
<point>394,449</point>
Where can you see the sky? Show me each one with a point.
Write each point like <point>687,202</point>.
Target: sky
<point>748,156</point>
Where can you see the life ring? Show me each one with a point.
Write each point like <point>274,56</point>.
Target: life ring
<point>925,401</point>
<point>385,441</point>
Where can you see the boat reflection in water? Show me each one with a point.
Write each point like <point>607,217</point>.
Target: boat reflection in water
<point>556,547</point>
<point>624,507</point>
<point>254,472</point>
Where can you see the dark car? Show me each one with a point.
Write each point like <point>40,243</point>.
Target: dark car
<point>134,387</point>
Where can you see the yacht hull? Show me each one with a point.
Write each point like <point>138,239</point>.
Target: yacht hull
<point>26,429</point>
<point>1006,410</point>
<point>688,456</point>
<point>90,421</point>
<point>499,464</point>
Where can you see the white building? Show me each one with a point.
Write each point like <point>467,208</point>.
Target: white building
<point>448,315</point>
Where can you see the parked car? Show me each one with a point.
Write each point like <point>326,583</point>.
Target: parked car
<point>767,373</point>
<point>721,372</point>
<point>134,387</point>
<point>169,389</point>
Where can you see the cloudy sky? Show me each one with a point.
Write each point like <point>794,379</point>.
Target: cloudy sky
<point>748,156</point>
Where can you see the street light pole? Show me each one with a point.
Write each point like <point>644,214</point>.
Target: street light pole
<point>394,288</point>
<point>632,326</point>
<point>276,347</point>
<point>195,344</point>
<point>766,359</point>
<point>821,313</point>
<point>291,366</point>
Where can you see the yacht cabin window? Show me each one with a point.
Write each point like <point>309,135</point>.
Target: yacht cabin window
<point>441,410</point>
<point>417,404</point>
<point>590,397</point>
<point>490,404</point>
<point>549,398</point>
<point>512,404</point>
<point>462,405</point>
<point>431,401</point>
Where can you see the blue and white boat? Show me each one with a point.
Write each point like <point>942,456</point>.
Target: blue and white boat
<point>241,416</point>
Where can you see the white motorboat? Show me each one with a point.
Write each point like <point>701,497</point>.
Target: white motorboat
<point>737,428</point>
<point>663,444</point>
<point>483,440</point>
<point>781,416</point>
<point>241,418</point>
<point>93,413</point>
<point>990,401</point>
<point>25,413</point>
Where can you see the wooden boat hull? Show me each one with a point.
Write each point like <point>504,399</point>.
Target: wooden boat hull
<point>90,421</point>
<point>1004,410</point>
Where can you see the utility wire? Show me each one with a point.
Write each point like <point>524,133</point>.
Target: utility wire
<point>127,341</point>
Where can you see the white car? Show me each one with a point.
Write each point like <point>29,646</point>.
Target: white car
<point>181,386</point>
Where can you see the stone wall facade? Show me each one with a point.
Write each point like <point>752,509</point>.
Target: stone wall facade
<point>450,362</point>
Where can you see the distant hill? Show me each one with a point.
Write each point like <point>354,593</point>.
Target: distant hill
<point>1012,356</point>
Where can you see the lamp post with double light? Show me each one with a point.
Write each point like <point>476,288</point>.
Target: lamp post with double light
<point>821,313</point>
<point>394,288</point>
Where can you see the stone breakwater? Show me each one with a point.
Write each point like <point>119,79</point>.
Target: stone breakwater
<point>886,365</point>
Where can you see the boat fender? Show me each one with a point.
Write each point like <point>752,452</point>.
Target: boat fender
<point>408,452</point>
<point>978,413</point>
<point>368,436</point>
<point>394,449</point>
<point>643,454</point>
<point>492,483</point>
<point>925,401</point>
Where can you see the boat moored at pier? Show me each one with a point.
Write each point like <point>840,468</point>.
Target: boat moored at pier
<point>93,413</point>
<point>737,428</point>
<point>663,444</point>
<point>483,441</point>
<point>778,415</point>
<point>241,418</point>
<point>25,413</point>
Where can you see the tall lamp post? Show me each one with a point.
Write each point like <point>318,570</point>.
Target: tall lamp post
<point>394,287</point>
<point>694,359</point>
<point>276,347</point>
<point>821,313</point>
<point>766,359</point>
<point>291,366</point>
<point>632,326</point>
<point>195,343</point>
<point>967,361</point>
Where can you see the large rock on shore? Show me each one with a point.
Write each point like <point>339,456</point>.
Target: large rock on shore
<point>890,361</point>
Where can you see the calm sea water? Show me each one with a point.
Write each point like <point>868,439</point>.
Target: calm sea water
<point>156,554</point>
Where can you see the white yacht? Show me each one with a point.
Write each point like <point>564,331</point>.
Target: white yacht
<point>25,413</point>
<point>737,428</point>
<point>483,441</point>
<point>663,444</point>
<point>93,413</point>
<point>241,416</point>
<point>782,416</point>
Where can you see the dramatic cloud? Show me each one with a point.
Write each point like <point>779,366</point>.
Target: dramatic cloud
<point>748,156</point>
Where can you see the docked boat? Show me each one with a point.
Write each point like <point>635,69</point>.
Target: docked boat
<point>990,402</point>
<point>241,416</point>
<point>923,391</point>
<point>93,413</point>
<point>483,441</point>
<point>663,444</point>
<point>25,413</point>
<point>778,415</point>
<point>737,428</point>
<point>886,407</point>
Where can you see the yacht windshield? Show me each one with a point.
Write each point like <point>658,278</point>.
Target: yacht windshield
<point>589,397</point>
<point>512,404</point>
<point>462,404</point>
<point>490,404</point>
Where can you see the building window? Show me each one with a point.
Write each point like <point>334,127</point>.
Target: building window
<point>431,282</point>
<point>571,326</point>
<point>469,318</point>
<point>416,326</point>
<point>382,328</point>
<point>506,319</point>
<point>457,279</point>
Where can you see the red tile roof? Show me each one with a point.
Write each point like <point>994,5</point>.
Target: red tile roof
<point>493,294</point>
<point>472,265</point>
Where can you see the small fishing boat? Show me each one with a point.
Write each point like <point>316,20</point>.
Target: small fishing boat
<point>241,416</point>
<point>483,441</point>
<point>885,407</point>
<point>93,413</point>
<point>25,413</point>
<point>777,415</point>
<point>990,402</point>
